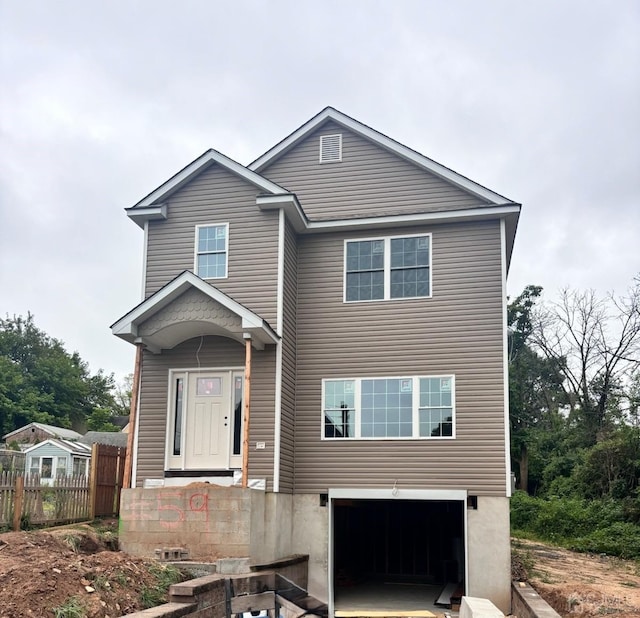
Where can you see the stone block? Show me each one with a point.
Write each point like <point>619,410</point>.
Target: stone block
<point>476,607</point>
<point>232,566</point>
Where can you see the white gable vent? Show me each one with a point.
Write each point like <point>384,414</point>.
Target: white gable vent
<point>330,148</point>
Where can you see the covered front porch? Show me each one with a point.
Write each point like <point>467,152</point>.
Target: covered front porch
<point>201,360</point>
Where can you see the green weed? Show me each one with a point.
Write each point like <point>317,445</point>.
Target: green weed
<point>166,575</point>
<point>71,608</point>
<point>73,541</point>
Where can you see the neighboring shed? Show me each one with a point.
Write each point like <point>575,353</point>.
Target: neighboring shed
<point>55,458</point>
<point>113,438</point>
<point>37,432</point>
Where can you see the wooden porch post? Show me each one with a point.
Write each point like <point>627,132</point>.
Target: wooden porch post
<point>135,388</point>
<point>246,413</point>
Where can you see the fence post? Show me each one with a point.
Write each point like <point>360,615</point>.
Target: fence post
<point>93,481</point>
<point>18,499</point>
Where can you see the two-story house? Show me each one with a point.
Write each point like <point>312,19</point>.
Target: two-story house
<point>347,295</point>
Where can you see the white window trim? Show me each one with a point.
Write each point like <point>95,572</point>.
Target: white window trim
<point>328,161</point>
<point>196,253</point>
<point>415,411</point>
<point>387,268</point>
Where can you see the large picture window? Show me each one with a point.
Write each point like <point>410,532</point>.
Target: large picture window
<point>212,250</point>
<point>381,408</point>
<point>388,268</point>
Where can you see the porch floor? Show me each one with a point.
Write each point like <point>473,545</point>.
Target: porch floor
<point>390,599</point>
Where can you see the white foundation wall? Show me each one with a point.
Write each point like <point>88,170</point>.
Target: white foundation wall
<point>311,536</point>
<point>489,551</point>
<point>297,524</point>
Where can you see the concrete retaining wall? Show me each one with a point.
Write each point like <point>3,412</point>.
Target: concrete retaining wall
<point>527,603</point>
<point>205,597</point>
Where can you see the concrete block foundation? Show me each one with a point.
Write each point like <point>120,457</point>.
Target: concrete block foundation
<point>214,522</point>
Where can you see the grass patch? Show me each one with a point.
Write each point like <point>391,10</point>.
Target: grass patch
<point>72,540</point>
<point>595,526</point>
<point>156,594</point>
<point>71,608</point>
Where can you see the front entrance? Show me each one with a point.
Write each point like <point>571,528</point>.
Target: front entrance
<point>207,421</point>
<point>205,418</point>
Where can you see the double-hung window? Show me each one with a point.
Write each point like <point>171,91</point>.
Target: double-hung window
<point>388,268</point>
<point>212,251</point>
<point>381,408</point>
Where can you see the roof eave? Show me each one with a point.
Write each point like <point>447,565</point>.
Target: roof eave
<point>146,208</point>
<point>253,325</point>
<point>330,113</point>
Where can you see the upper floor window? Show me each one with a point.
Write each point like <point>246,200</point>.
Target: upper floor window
<point>388,268</point>
<point>212,248</point>
<point>378,408</point>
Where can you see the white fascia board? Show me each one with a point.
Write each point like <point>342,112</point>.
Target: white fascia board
<point>286,143</point>
<point>397,493</point>
<point>149,213</point>
<point>386,142</point>
<point>126,327</point>
<point>51,442</point>
<point>38,445</point>
<point>469,214</point>
<point>194,168</point>
<point>291,206</point>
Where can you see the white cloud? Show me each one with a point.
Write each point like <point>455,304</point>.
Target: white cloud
<point>104,101</point>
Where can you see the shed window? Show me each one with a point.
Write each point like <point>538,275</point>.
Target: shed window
<point>79,466</point>
<point>34,467</point>
<point>46,471</point>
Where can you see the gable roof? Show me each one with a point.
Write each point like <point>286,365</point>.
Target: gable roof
<point>151,206</point>
<point>56,432</point>
<point>113,438</point>
<point>330,113</point>
<point>251,324</point>
<point>75,448</point>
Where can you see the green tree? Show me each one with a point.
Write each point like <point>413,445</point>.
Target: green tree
<point>40,381</point>
<point>101,420</point>
<point>535,385</point>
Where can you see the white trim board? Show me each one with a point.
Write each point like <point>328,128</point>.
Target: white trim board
<point>330,113</point>
<point>150,207</point>
<point>400,494</point>
<point>127,326</point>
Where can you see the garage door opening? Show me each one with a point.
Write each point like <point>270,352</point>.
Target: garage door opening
<point>396,554</point>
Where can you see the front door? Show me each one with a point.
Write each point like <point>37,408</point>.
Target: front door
<point>208,421</point>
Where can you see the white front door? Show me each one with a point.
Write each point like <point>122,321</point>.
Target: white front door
<point>208,421</point>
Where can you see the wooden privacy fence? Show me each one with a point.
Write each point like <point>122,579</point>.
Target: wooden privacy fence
<point>107,473</point>
<point>24,499</point>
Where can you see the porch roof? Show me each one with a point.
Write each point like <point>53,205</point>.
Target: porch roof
<point>189,307</point>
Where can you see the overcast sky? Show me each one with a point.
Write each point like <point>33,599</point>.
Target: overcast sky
<point>100,102</point>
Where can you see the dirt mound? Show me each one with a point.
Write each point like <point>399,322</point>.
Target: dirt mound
<point>579,585</point>
<point>41,571</point>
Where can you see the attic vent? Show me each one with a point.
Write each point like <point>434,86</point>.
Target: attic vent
<point>330,148</point>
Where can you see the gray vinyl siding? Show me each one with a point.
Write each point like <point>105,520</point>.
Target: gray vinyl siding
<point>458,331</point>
<point>50,450</point>
<point>287,429</point>
<point>214,352</point>
<point>369,181</point>
<point>218,196</point>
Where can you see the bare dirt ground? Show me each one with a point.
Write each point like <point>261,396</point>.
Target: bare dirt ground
<point>581,585</point>
<point>41,570</point>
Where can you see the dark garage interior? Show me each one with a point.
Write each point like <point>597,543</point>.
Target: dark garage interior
<point>404,544</point>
